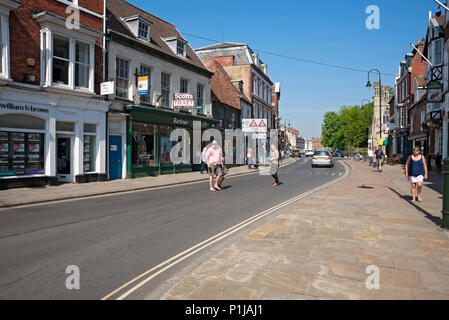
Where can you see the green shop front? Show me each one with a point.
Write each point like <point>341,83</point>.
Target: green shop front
<point>149,143</point>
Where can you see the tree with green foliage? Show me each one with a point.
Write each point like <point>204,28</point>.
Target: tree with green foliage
<point>346,128</point>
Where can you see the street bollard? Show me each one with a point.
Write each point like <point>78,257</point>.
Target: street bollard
<point>446,193</point>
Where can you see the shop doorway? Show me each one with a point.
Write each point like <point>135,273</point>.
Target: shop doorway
<point>64,146</point>
<point>115,157</point>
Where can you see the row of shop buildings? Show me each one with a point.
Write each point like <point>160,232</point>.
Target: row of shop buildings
<point>419,109</point>
<point>91,91</point>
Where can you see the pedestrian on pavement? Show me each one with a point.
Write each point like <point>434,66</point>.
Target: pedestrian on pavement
<point>370,156</point>
<point>249,158</point>
<point>203,160</point>
<point>416,172</point>
<point>223,170</point>
<point>379,156</point>
<point>274,167</point>
<point>214,161</point>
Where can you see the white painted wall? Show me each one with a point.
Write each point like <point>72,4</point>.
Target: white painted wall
<point>137,58</point>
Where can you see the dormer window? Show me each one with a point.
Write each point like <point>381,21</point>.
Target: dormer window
<point>181,48</point>
<point>139,26</point>
<point>144,31</point>
<point>177,45</point>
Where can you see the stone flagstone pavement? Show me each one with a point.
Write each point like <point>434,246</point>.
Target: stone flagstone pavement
<point>320,248</point>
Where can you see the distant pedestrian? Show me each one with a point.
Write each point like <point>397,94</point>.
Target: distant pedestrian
<point>379,157</point>
<point>274,167</point>
<point>249,158</point>
<point>370,156</point>
<point>203,160</point>
<point>214,161</point>
<point>416,172</point>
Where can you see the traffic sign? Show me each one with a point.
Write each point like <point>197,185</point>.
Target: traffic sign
<point>254,125</point>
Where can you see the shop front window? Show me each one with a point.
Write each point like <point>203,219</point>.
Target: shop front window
<point>21,153</point>
<point>166,145</point>
<point>89,147</point>
<point>144,144</point>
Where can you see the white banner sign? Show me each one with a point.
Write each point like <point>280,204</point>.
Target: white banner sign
<point>254,125</point>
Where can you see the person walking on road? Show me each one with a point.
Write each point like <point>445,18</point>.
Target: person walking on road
<point>203,160</point>
<point>214,161</point>
<point>274,167</point>
<point>416,172</point>
<point>379,156</point>
<point>370,156</point>
<point>224,172</point>
<point>249,158</point>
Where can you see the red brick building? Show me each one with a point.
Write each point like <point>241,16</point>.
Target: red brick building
<point>417,108</point>
<point>245,65</point>
<point>52,117</point>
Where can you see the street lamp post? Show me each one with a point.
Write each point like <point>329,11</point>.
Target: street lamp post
<point>369,85</point>
<point>369,118</point>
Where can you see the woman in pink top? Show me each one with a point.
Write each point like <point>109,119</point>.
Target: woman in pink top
<point>214,161</point>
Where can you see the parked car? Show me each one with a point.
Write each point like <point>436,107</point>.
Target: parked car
<point>339,153</point>
<point>322,158</point>
<point>309,153</point>
<point>296,153</point>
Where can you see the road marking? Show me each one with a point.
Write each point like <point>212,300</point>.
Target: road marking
<point>191,251</point>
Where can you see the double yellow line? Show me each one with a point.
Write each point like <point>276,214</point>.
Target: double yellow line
<point>140,280</point>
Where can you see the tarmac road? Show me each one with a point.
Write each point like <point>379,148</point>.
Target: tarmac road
<point>114,238</point>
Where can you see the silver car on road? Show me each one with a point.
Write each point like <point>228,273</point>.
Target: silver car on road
<point>322,158</point>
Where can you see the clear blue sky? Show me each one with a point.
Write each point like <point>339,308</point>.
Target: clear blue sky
<point>327,31</point>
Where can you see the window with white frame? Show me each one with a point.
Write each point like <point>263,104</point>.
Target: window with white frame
<point>145,71</point>
<point>144,31</point>
<point>165,90</point>
<point>438,52</point>
<point>82,65</point>
<point>66,61</point>
<point>2,47</point>
<point>61,59</point>
<point>181,48</point>
<point>184,86</point>
<point>254,84</point>
<point>122,78</point>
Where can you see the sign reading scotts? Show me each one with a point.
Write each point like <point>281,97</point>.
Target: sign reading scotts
<point>183,100</point>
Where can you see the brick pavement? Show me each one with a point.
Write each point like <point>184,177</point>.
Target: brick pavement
<point>320,248</point>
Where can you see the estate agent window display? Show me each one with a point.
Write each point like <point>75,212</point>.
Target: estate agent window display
<point>21,153</point>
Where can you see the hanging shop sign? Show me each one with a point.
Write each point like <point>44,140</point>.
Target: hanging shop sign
<point>435,95</point>
<point>183,100</point>
<point>107,88</point>
<point>142,83</point>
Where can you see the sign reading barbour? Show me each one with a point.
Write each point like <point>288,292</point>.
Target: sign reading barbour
<point>25,107</point>
<point>180,121</point>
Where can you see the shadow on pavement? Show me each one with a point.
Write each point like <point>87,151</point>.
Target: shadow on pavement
<point>365,187</point>
<point>435,182</point>
<point>437,220</point>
